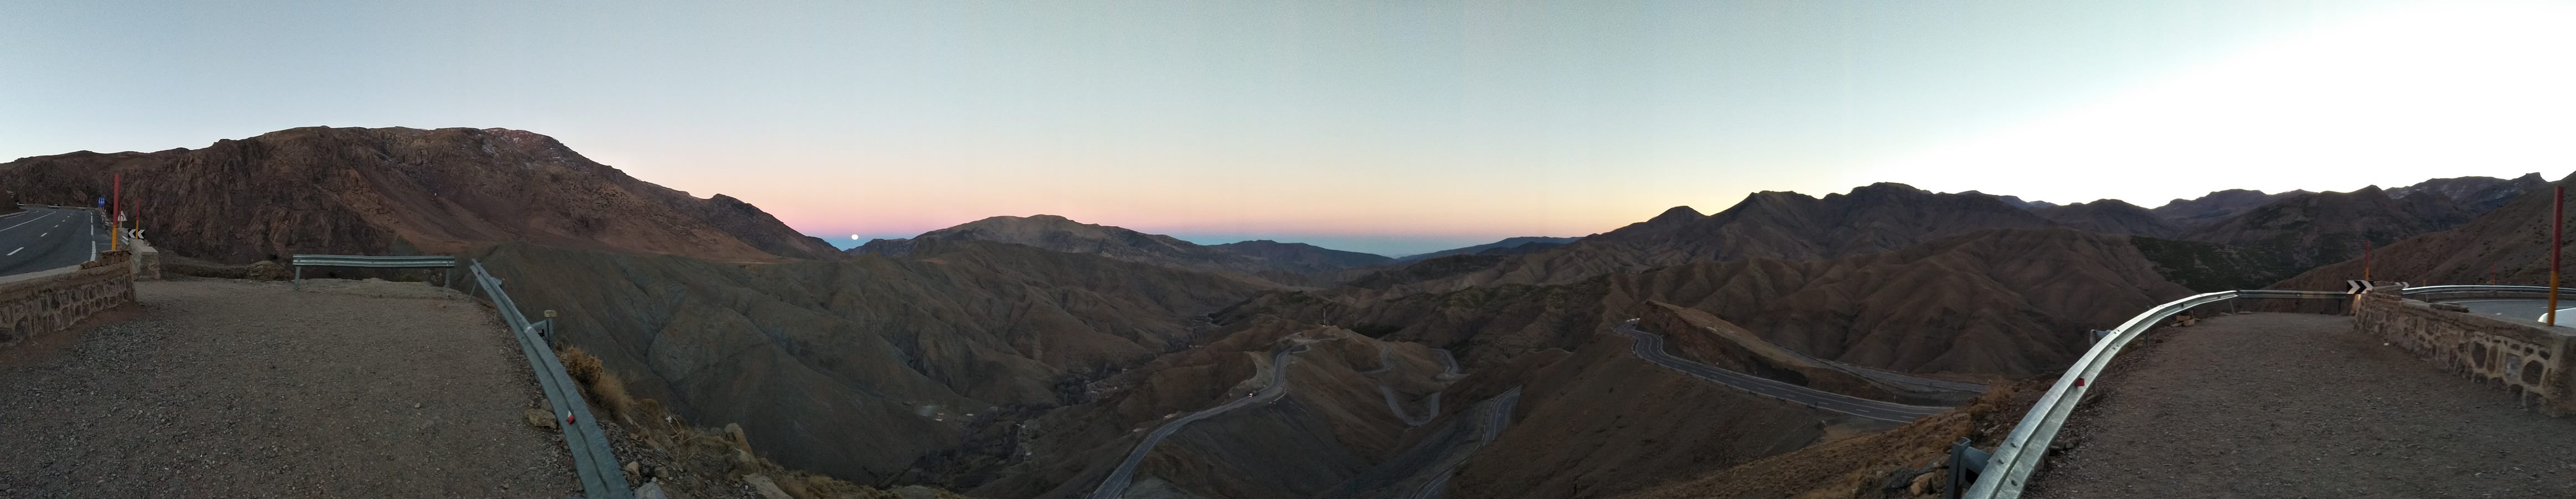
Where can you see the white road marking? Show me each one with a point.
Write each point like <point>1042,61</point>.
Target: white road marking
<point>42,234</point>
<point>31,220</point>
<point>14,252</point>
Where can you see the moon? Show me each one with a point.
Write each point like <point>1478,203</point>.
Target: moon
<point>854,237</point>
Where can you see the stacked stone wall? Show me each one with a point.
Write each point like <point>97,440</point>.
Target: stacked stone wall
<point>49,303</point>
<point>2523,357</point>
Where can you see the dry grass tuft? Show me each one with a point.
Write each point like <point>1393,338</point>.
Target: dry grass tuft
<point>601,387</point>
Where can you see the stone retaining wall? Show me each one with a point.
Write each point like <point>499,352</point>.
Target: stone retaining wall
<point>2525,358</point>
<point>55,302</point>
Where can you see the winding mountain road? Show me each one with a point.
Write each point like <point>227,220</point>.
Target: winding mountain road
<point>1386,363</point>
<point>1650,347</point>
<point>1118,480</point>
<point>1496,414</point>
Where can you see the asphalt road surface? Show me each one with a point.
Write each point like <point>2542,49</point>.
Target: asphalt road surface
<point>2521,309</point>
<point>46,238</point>
<point>1651,347</point>
<point>1116,484</point>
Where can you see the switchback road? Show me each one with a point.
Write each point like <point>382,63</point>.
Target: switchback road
<point>1651,348</point>
<point>1116,483</point>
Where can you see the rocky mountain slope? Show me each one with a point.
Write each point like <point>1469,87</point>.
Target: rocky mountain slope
<point>1302,258</point>
<point>2476,194</point>
<point>2509,245</point>
<point>2333,226</point>
<point>1778,225</point>
<point>1270,261</point>
<point>863,367</point>
<point>2006,302</point>
<point>1506,243</point>
<point>2109,216</point>
<point>402,190</point>
<point>2217,206</point>
<point>2016,201</point>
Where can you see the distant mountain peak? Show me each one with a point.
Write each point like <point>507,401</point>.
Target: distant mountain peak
<point>1887,187</point>
<point>1676,214</point>
<point>1268,260</point>
<point>2016,201</point>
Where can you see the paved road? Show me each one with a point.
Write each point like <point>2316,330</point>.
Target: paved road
<point>2523,309</point>
<point>1386,364</point>
<point>1651,347</point>
<point>1496,414</point>
<point>2295,405</point>
<point>46,238</point>
<point>1116,483</point>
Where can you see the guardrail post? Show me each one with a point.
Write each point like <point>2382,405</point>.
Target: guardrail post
<point>1965,463</point>
<point>299,278</point>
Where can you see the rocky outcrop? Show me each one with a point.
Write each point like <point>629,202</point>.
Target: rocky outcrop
<point>401,191</point>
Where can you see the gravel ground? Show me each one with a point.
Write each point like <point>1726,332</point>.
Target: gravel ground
<point>2296,405</point>
<point>224,388</point>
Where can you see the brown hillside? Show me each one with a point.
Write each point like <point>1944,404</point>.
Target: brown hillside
<point>1777,225</point>
<point>402,190</point>
<point>1264,261</point>
<point>2512,242</point>
<point>2333,226</point>
<point>2004,302</point>
<point>2217,206</point>
<point>796,351</point>
<point>2476,194</point>
<point>1602,422</point>
<point>2109,216</point>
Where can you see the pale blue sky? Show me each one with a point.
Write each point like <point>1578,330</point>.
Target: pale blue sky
<point>1373,127</point>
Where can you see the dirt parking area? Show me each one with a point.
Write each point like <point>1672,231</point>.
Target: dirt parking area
<point>2298,405</point>
<point>227,388</point>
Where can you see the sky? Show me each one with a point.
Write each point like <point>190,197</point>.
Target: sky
<point>1385,127</point>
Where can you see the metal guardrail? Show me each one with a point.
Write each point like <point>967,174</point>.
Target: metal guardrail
<point>591,459</point>
<point>2004,475</point>
<point>381,262</point>
<point>2483,289</point>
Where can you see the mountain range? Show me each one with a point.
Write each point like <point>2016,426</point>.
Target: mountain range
<point>1021,357</point>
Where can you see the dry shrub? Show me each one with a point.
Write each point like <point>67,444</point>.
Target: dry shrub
<point>601,387</point>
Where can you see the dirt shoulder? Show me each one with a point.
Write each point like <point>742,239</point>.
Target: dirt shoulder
<point>2297,405</point>
<point>225,388</point>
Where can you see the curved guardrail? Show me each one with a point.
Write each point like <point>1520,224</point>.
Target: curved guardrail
<point>592,460</point>
<point>2483,289</point>
<point>2004,475</point>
